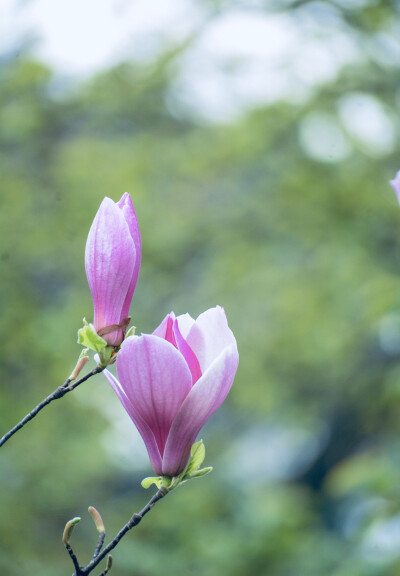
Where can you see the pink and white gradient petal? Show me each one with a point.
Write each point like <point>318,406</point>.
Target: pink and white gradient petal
<point>143,428</point>
<point>203,400</point>
<point>155,379</point>
<point>161,330</point>
<point>185,322</point>
<point>209,335</point>
<point>187,353</point>
<point>128,211</point>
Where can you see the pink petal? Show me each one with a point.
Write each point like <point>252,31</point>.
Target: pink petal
<point>109,261</point>
<point>169,332</point>
<point>187,352</point>
<point>161,330</point>
<point>144,430</point>
<point>155,379</point>
<point>209,335</point>
<point>128,210</point>
<point>186,322</point>
<point>203,400</point>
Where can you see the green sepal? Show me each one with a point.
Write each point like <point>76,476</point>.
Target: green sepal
<point>105,355</point>
<point>88,337</point>
<point>131,332</point>
<point>192,470</point>
<point>199,473</point>
<point>166,481</point>
<point>159,481</point>
<point>147,482</point>
<point>197,455</point>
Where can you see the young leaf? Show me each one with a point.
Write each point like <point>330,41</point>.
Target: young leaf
<point>198,473</point>
<point>69,528</point>
<point>147,482</point>
<point>88,337</point>
<point>198,453</point>
<point>131,332</point>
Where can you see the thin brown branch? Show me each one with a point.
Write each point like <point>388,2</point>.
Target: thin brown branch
<point>58,393</point>
<point>134,521</point>
<point>99,546</point>
<point>73,558</point>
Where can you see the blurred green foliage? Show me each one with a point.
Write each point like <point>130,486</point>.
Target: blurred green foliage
<point>303,254</point>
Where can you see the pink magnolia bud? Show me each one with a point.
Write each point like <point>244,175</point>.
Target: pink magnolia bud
<point>172,381</point>
<point>112,262</point>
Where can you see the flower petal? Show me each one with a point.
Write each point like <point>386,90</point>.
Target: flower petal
<point>128,211</point>
<point>155,379</point>
<point>143,428</point>
<point>203,400</point>
<point>187,352</point>
<point>209,335</point>
<point>169,330</point>
<point>161,330</point>
<point>185,324</point>
<point>109,261</point>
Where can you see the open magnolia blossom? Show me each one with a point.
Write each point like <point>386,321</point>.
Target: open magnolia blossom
<point>112,262</point>
<point>172,381</point>
<point>395,183</point>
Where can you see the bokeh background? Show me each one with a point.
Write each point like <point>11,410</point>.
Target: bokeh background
<point>257,140</point>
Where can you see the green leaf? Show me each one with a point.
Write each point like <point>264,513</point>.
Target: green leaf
<point>88,337</point>
<point>199,473</point>
<point>197,455</point>
<point>131,332</point>
<point>147,482</point>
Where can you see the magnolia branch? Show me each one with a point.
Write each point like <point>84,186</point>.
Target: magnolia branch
<point>61,391</point>
<point>98,556</point>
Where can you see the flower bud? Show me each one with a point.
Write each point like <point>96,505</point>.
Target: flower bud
<point>98,522</point>
<point>109,563</point>
<point>82,361</point>
<point>69,528</point>
<point>112,262</point>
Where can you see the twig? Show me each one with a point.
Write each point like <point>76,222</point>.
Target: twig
<point>108,566</point>
<point>73,558</point>
<point>99,546</point>
<point>58,393</point>
<point>97,558</point>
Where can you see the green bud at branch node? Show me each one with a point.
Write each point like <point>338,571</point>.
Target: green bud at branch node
<point>109,562</point>
<point>82,361</point>
<point>69,528</point>
<point>98,522</point>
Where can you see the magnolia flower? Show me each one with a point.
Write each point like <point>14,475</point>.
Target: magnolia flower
<point>395,184</point>
<point>112,262</point>
<point>172,381</point>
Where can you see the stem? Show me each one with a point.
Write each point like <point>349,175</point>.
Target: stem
<point>134,521</point>
<point>73,558</point>
<point>99,545</point>
<point>58,393</point>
